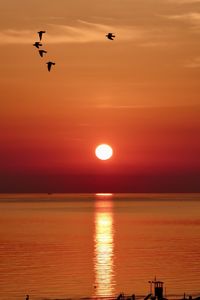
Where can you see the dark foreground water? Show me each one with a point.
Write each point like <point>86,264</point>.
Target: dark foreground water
<point>61,246</point>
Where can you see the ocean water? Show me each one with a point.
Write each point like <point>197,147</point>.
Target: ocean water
<point>62,246</point>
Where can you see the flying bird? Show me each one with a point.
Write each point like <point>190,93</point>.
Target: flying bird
<point>41,52</point>
<point>41,33</point>
<point>110,36</point>
<point>49,64</point>
<point>37,44</point>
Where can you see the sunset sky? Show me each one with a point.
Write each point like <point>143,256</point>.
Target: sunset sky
<point>138,93</point>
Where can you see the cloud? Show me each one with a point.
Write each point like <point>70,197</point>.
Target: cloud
<point>142,106</point>
<point>11,36</point>
<point>82,32</point>
<point>193,18</point>
<point>195,63</point>
<point>92,32</point>
<point>184,1</point>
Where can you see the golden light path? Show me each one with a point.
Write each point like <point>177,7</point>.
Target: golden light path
<point>104,246</point>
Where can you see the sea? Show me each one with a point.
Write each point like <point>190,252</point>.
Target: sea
<point>72,246</point>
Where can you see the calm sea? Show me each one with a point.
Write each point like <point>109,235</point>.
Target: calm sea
<point>70,246</point>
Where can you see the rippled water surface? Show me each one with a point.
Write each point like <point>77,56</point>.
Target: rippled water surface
<point>61,246</point>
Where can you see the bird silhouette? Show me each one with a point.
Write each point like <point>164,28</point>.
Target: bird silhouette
<point>110,36</point>
<point>37,45</point>
<point>41,52</point>
<point>49,64</point>
<point>41,33</point>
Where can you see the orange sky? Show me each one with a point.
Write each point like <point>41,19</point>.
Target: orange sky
<point>138,93</point>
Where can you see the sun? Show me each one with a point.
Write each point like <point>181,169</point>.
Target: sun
<point>104,152</point>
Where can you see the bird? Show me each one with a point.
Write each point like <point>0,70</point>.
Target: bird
<point>41,52</point>
<point>37,44</point>
<point>49,64</point>
<point>41,33</point>
<point>110,36</point>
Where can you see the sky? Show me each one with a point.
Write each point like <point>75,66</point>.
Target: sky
<point>138,93</point>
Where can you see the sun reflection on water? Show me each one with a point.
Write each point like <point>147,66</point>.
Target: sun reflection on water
<point>104,246</point>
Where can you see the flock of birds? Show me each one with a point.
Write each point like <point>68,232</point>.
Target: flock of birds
<point>42,52</point>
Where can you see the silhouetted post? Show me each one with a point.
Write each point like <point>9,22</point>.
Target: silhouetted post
<point>119,297</point>
<point>158,289</point>
<point>150,282</point>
